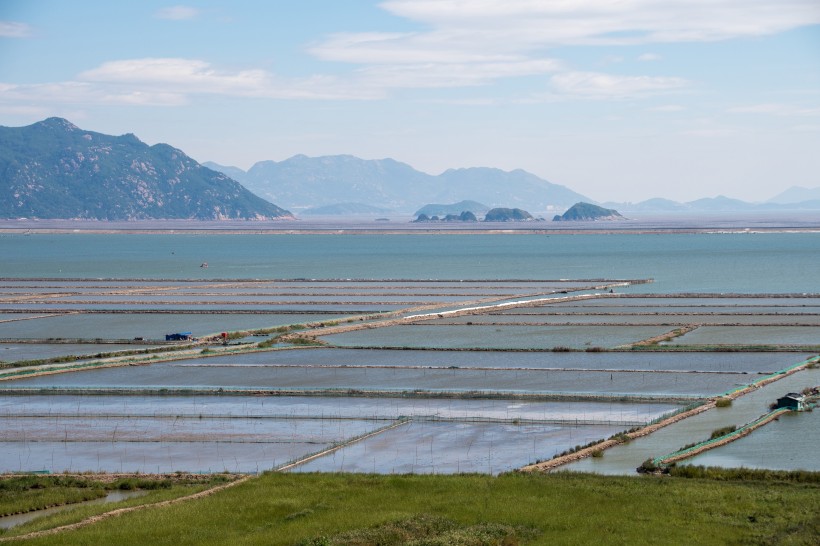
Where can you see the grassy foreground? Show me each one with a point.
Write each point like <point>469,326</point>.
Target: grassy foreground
<point>563,508</point>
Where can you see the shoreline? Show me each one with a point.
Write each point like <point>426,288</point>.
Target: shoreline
<point>404,231</point>
<point>728,222</point>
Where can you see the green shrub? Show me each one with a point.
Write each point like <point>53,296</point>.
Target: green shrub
<point>648,466</point>
<point>723,402</point>
<point>723,431</point>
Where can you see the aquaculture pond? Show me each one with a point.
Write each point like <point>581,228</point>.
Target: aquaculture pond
<point>766,362</point>
<point>496,337</point>
<point>148,325</point>
<point>624,459</point>
<point>13,352</point>
<point>751,335</point>
<point>252,434</point>
<point>670,319</point>
<point>447,448</point>
<point>788,443</point>
<point>454,409</point>
<point>399,379</point>
<point>326,407</point>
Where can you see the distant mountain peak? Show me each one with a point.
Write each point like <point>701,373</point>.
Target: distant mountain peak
<point>302,182</point>
<point>56,123</point>
<point>796,194</point>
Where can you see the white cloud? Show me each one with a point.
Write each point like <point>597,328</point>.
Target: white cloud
<point>177,13</point>
<point>649,57</point>
<point>667,108</point>
<point>471,39</point>
<point>596,85</point>
<point>433,75</point>
<point>197,77</point>
<point>174,82</point>
<point>409,48</point>
<point>776,109</point>
<point>38,96</point>
<point>608,22</point>
<point>12,29</point>
<point>181,74</point>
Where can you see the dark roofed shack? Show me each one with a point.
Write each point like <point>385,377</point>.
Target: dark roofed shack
<point>793,400</point>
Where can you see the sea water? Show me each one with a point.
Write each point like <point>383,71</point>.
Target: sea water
<point>700,262</point>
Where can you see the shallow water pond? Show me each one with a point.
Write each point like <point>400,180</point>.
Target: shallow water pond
<point>624,459</point>
<point>764,448</point>
<point>750,335</point>
<point>498,337</point>
<point>451,448</point>
<point>147,325</point>
<point>13,352</point>
<point>291,407</point>
<point>174,375</point>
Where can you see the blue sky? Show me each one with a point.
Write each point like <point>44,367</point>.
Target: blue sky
<point>619,100</point>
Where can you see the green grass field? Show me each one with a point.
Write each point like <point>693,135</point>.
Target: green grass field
<point>562,508</point>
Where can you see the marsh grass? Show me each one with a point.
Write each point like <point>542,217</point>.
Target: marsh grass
<point>560,508</point>
<point>746,474</point>
<point>156,493</point>
<point>24,493</point>
<point>427,530</point>
<point>27,493</point>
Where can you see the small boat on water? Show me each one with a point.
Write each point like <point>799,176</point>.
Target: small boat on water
<point>203,264</point>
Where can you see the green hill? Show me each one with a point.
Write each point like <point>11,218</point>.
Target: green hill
<point>507,215</point>
<point>54,169</point>
<point>587,212</point>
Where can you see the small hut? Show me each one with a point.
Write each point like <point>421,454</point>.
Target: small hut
<point>794,401</point>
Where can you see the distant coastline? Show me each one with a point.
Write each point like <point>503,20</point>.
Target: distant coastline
<point>729,223</point>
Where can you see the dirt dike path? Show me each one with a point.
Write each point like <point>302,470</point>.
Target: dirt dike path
<point>478,307</point>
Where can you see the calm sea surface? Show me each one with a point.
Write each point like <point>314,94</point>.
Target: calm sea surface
<point>730,263</point>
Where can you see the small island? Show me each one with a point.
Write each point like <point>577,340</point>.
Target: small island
<point>465,216</point>
<point>507,215</point>
<point>492,215</point>
<point>581,212</point>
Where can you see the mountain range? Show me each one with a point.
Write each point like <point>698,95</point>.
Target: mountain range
<point>348,185</point>
<point>54,169</point>
<point>302,182</point>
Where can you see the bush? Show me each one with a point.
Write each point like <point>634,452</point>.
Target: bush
<point>647,467</point>
<point>620,437</point>
<point>744,474</point>
<point>723,402</point>
<point>723,431</point>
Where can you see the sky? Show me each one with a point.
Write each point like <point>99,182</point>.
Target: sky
<point>620,100</point>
